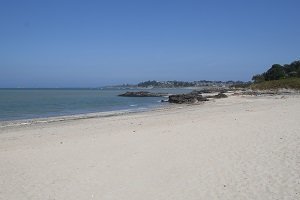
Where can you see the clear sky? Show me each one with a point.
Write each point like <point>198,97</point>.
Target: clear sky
<point>94,43</point>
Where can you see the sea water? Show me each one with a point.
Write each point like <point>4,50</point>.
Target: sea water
<point>17,104</point>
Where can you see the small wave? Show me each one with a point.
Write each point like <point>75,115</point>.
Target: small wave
<point>133,105</point>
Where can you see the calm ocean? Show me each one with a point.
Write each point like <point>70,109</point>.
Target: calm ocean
<point>16,104</point>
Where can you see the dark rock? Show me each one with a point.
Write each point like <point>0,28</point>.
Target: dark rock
<point>142,94</point>
<point>210,90</point>
<point>186,98</point>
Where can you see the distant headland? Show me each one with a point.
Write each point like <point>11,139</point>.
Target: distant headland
<point>178,84</point>
<point>277,76</point>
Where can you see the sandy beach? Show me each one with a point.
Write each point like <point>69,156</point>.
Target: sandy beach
<point>241,147</point>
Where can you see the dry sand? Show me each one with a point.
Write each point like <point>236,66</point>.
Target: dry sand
<point>234,148</point>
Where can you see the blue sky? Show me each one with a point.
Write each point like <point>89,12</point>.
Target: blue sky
<point>94,43</point>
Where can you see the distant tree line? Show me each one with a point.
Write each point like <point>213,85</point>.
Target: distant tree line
<point>167,83</point>
<point>176,84</point>
<point>278,71</point>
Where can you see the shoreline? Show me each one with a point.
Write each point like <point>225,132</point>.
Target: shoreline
<point>6,124</point>
<point>86,115</point>
<point>72,117</point>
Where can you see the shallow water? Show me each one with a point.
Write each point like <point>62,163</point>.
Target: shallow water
<point>16,104</point>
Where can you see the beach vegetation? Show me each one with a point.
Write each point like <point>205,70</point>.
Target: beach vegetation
<point>278,76</point>
<point>288,83</point>
<point>277,72</point>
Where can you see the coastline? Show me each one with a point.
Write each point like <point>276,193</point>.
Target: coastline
<point>240,147</point>
<point>72,117</point>
<point>90,115</point>
<point>6,124</point>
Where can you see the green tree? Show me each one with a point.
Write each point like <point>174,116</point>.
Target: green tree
<point>276,72</point>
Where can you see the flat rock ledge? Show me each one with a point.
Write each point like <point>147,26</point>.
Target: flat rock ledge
<point>190,98</point>
<point>218,96</point>
<point>186,98</point>
<point>142,94</point>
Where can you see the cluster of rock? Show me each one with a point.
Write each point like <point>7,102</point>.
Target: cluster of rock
<point>267,92</point>
<point>211,90</point>
<point>218,96</point>
<point>143,94</point>
<point>190,98</point>
<point>193,97</point>
<point>186,98</point>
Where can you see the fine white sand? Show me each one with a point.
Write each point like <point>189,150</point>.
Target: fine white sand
<point>235,148</point>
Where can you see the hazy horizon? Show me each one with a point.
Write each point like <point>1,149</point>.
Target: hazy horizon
<point>49,44</point>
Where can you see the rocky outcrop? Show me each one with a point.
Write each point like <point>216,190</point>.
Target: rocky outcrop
<point>186,98</point>
<point>210,90</point>
<point>218,96</point>
<point>142,94</point>
<point>190,98</point>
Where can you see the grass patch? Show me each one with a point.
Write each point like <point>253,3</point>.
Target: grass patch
<point>289,83</point>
